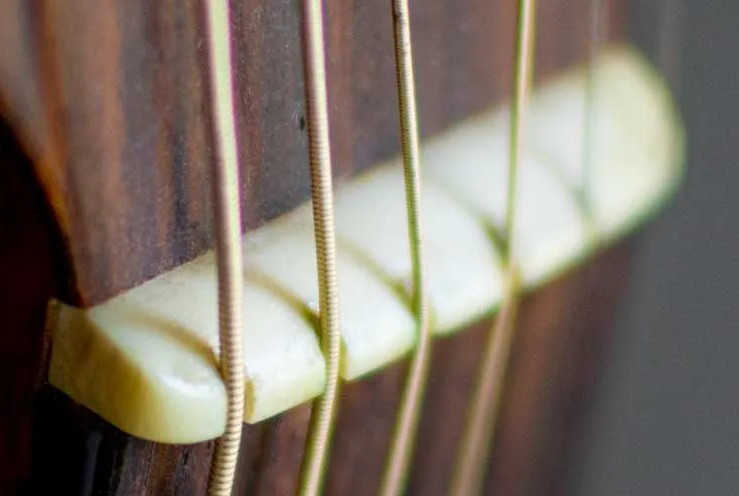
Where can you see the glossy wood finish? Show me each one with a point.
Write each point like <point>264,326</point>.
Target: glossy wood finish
<point>563,331</point>
<point>123,136</point>
<point>108,99</point>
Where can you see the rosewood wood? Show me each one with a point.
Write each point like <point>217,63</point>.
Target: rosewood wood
<point>122,138</point>
<point>31,271</point>
<point>563,330</point>
<point>110,189</point>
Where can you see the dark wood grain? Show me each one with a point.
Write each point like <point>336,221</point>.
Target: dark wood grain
<point>562,331</point>
<point>111,188</point>
<point>31,271</point>
<point>122,142</point>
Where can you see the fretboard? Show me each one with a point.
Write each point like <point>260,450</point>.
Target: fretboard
<point>149,364</point>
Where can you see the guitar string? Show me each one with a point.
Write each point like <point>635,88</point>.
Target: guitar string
<point>324,407</point>
<point>468,476</point>
<point>406,427</point>
<point>228,245</point>
<point>595,12</point>
<point>669,42</point>
<point>584,192</point>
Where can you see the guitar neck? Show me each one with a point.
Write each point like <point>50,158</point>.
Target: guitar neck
<point>119,137</point>
<point>110,106</point>
<point>152,350</point>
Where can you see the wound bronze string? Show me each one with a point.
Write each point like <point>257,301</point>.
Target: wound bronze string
<point>403,440</point>
<point>228,245</point>
<point>479,428</point>
<point>324,408</point>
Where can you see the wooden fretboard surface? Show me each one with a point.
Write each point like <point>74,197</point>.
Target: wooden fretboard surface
<point>563,331</point>
<point>108,100</point>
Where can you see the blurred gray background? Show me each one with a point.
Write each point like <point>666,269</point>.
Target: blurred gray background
<point>666,417</point>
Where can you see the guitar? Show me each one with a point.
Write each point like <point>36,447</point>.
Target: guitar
<point>107,130</point>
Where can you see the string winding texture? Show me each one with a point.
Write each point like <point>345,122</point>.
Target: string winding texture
<point>228,246</point>
<point>482,416</point>
<point>403,440</point>
<point>324,408</point>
